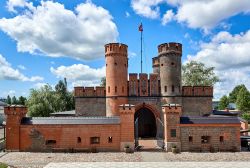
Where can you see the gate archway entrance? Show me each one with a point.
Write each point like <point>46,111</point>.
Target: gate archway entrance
<point>145,123</point>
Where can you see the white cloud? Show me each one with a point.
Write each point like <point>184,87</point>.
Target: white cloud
<point>131,54</point>
<point>80,74</point>
<point>167,17</point>
<point>21,67</point>
<point>127,14</point>
<point>230,56</point>
<point>9,73</point>
<point>52,30</point>
<point>147,8</point>
<point>207,14</point>
<point>12,4</point>
<point>204,14</point>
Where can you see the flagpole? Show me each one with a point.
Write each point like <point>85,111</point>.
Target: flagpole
<point>141,51</point>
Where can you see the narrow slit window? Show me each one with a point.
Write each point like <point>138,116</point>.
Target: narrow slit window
<point>190,139</point>
<point>50,142</point>
<point>116,89</point>
<point>172,88</point>
<point>221,139</point>
<point>109,89</point>
<point>166,88</point>
<point>110,139</point>
<point>79,140</point>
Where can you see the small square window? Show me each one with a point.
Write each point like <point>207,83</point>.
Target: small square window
<point>205,139</point>
<point>79,140</point>
<point>110,139</point>
<point>50,142</point>
<point>190,139</point>
<point>221,139</point>
<point>173,133</point>
<point>95,140</point>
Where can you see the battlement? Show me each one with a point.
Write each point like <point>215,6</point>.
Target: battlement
<point>143,86</point>
<point>172,108</point>
<point>197,91</point>
<point>156,62</point>
<point>116,48</point>
<point>170,48</point>
<point>15,110</point>
<point>89,91</point>
<point>127,108</point>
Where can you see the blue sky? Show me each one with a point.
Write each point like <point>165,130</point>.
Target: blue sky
<point>44,41</point>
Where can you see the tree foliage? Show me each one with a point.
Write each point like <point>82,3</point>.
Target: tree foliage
<point>22,100</point>
<point>197,74</point>
<point>246,116</point>
<point>243,100</point>
<point>42,102</point>
<point>14,100</point>
<point>45,100</point>
<point>233,95</point>
<point>224,102</point>
<point>8,100</point>
<point>103,82</point>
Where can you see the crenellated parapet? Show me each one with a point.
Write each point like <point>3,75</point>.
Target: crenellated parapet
<point>144,85</point>
<point>197,91</point>
<point>89,91</point>
<point>166,48</point>
<point>116,48</point>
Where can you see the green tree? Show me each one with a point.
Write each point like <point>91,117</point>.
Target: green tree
<point>42,102</point>
<point>197,74</point>
<point>22,100</point>
<point>233,95</point>
<point>223,102</point>
<point>8,101</point>
<point>246,116</point>
<point>65,99</point>
<point>103,82</point>
<point>243,100</point>
<point>14,100</point>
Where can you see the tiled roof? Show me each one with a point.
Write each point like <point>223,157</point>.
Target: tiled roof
<point>209,120</point>
<point>70,120</point>
<point>72,112</point>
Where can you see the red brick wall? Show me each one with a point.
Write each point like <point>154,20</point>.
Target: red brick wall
<point>66,137</point>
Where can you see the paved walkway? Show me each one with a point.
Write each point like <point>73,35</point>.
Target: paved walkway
<point>150,165</point>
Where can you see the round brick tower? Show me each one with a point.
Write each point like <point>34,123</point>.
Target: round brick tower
<point>116,77</point>
<point>169,55</point>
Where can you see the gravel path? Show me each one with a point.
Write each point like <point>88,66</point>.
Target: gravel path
<point>37,160</point>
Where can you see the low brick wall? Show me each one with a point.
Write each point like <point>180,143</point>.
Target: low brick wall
<point>229,142</point>
<point>69,137</point>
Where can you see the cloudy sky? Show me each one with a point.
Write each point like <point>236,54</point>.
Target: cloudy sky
<point>44,41</point>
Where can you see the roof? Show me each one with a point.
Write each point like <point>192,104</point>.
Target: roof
<point>209,120</point>
<point>3,104</point>
<point>69,120</point>
<point>227,113</point>
<point>72,112</point>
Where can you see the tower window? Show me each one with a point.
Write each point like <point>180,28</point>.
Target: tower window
<point>172,88</point>
<point>115,89</point>
<point>221,139</point>
<point>109,89</point>
<point>166,88</point>
<point>79,140</point>
<point>110,139</point>
<point>161,64</point>
<point>106,64</point>
<point>115,63</point>
<point>172,63</point>
<point>190,139</point>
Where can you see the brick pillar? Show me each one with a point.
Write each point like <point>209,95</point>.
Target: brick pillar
<point>172,113</point>
<point>14,116</point>
<point>127,112</point>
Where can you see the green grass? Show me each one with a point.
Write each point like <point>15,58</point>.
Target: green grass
<point>3,165</point>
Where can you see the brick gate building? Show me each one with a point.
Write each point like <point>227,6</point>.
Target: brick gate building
<point>132,106</point>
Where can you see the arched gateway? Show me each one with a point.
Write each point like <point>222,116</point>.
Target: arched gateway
<point>148,125</point>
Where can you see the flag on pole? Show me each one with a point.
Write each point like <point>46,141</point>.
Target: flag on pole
<point>140,28</point>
